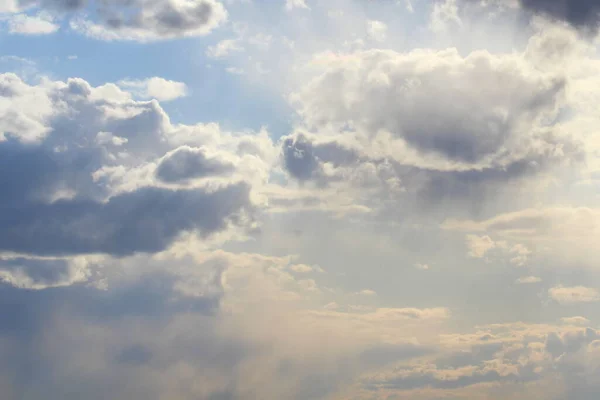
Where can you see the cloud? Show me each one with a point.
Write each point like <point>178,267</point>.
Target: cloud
<point>443,14</point>
<point>479,246</point>
<point>381,125</point>
<point>155,88</point>
<point>583,15</point>
<point>446,379</point>
<point>31,25</point>
<point>292,4</point>
<point>101,195</point>
<point>376,30</point>
<point>527,280</point>
<point>43,273</point>
<point>153,21</point>
<point>574,295</point>
<point>161,331</point>
<point>138,20</point>
<point>562,232</point>
<point>301,268</point>
<point>299,158</point>
<point>126,223</point>
<point>223,48</point>
<point>575,321</point>
<point>461,121</point>
<point>189,163</point>
<point>579,13</point>
<point>366,292</point>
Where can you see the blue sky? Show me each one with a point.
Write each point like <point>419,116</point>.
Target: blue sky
<point>299,199</point>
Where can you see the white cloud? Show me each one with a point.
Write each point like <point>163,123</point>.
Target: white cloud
<point>575,321</point>
<point>420,126</point>
<point>235,71</point>
<point>331,306</point>
<point>292,4</point>
<point>104,138</point>
<point>528,279</point>
<point>224,48</point>
<point>565,233</point>
<point>444,15</point>
<point>155,88</point>
<point>366,292</point>
<point>377,30</point>
<point>520,254</point>
<point>301,268</point>
<point>459,127</point>
<point>479,245</point>
<point>9,6</point>
<point>24,24</point>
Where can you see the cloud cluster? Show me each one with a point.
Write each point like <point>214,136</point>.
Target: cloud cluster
<point>433,124</point>
<point>468,111</point>
<point>565,234</point>
<point>146,259</point>
<point>139,20</point>
<point>158,332</point>
<point>496,356</point>
<point>84,170</point>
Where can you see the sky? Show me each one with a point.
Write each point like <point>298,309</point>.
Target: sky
<point>299,199</point>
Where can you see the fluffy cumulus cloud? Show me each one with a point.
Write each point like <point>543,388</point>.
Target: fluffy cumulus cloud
<point>83,170</point>
<point>433,123</point>
<point>490,113</point>
<point>31,25</point>
<point>155,88</point>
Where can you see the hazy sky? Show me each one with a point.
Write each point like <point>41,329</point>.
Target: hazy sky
<point>299,199</point>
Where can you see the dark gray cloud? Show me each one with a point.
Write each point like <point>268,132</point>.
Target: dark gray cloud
<point>188,163</point>
<point>304,159</point>
<point>146,220</point>
<point>579,13</point>
<point>150,19</point>
<point>62,5</point>
<point>167,17</point>
<point>299,158</point>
